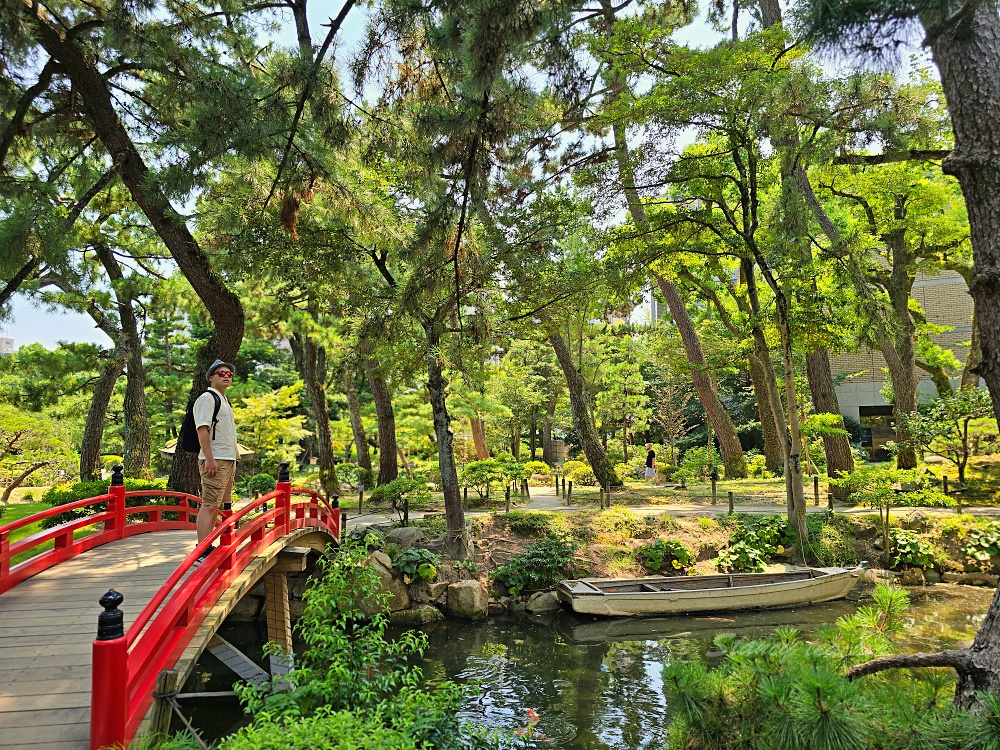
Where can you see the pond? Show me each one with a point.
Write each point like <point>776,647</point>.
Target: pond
<point>596,683</point>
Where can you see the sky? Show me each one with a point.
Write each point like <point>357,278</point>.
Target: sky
<point>31,322</point>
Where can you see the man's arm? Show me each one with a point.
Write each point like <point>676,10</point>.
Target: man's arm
<point>205,441</point>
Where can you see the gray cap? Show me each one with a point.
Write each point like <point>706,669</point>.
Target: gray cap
<point>216,365</point>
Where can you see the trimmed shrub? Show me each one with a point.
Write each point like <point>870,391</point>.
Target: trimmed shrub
<point>68,493</point>
<point>583,476</point>
<point>537,467</point>
<point>570,466</point>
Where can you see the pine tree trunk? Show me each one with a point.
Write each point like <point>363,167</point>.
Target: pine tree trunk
<point>839,459</point>
<point>968,58</point>
<point>19,480</point>
<point>902,359</point>
<point>548,447</point>
<point>321,414</point>
<point>729,443</point>
<point>93,429</point>
<point>388,468</point>
<point>458,537</point>
<point>223,305</point>
<point>772,442</point>
<point>137,438</point>
<point>970,372</point>
<point>583,420</point>
<point>478,427</point>
<point>357,426</point>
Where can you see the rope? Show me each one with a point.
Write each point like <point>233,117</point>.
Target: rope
<point>171,699</point>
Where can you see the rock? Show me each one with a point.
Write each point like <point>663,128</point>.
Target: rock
<point>932,576</point>
<point>381,558</point>
<point>912,577</point>
<point>392,584</point>
<point>405,537</point>
<point>497,607</point>
<point>468,600</point>
<point>543,601</point>
<point>971,579</point>
<point>425,592</point>
<point>437,589</point>
<point>422,614</point>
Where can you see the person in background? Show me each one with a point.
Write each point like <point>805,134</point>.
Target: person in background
<point>218,457</point>
<point>650,463</point>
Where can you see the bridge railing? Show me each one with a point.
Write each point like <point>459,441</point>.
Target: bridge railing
<point>116,521</point>
<point>126,665</point>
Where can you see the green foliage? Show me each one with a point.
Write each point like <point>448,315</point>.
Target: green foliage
<point>925,497</point>
<point>537,467</point>
<point>757,466</point>
<point>983,543</point>
<point>401,491</point>
<point>537,567</point>
<point>618,525</point>
<point>570,466</point>
<point>665,555</point>
<point>260,484</point>
<point>740,557</point>
<point>434,526</point>
<point>525,522</point>
<point>699,462</point>
<point>418,562</point>
<point>583,476</point>
<point>908,548</point>
<point>353,687</point>
<point>782,692</point>
<point>268,425</point>
<point>752,540</point>
<point>946,427</point>
<point>482,474</point>
<point>68,493</point>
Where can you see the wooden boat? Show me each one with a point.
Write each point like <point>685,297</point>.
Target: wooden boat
<point>671,595</point>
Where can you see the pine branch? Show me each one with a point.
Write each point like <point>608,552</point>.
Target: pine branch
<point>891,157</point>
<point>961,661</point>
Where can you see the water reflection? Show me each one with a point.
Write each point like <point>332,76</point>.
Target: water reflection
<point>587,684</point>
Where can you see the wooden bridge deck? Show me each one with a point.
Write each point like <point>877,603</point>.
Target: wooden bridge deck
<point>47,627</point>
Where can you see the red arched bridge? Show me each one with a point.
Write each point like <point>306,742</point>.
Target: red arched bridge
<point>60,688</point>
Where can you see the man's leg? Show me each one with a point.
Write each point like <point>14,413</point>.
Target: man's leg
<point>212,489</point>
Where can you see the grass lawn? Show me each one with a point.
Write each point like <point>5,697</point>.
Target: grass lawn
<point>19,509</point>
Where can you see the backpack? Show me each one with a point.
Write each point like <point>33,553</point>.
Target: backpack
<point>188,437</point>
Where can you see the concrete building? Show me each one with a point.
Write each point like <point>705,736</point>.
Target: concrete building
<point>945,300</point>
<point>6,347</point>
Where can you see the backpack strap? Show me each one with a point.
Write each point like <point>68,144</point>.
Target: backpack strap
<point>215,413</point>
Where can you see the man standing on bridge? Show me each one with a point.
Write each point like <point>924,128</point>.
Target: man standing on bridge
<point>213,417</point>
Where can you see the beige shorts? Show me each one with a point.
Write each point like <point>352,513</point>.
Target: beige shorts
<point>217,490</point>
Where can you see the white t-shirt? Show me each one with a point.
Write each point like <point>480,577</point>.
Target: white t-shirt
<point>224,438</point>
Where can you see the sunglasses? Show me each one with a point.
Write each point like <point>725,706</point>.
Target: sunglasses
<point>223,373</point>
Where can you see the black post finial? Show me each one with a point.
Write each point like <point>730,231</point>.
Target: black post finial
<point>117,477</point>
<point>335,501</point>
<point>111,622</point>
<point>283,475</point>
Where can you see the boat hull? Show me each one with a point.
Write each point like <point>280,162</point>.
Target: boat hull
<point>600,597</point>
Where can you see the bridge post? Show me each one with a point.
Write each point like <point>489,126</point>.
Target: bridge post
<point>279,622</point>
<point>116,506</point>
<point>109,700</point>
<point>284,500</point>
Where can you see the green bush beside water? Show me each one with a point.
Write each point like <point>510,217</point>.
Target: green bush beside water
<point>784,693</point>
<point>353,688</point>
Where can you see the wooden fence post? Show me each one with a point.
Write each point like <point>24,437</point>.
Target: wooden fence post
<point>569,492</point>
<point>816,489</point>
<point>732,508</point>
<point>507,499</point>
